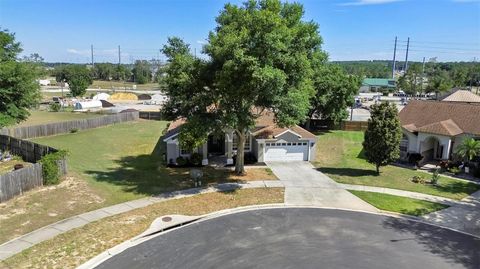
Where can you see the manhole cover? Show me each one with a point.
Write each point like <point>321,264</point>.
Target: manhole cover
<point>167,219</point>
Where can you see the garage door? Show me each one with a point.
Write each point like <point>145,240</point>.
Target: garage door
<point>286,152</point>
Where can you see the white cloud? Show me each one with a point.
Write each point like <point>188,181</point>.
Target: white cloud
<point>78,52</point>
<point>201,42</point>
<point>368,2</point>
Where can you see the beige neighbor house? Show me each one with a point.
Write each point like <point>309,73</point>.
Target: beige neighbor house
<point>436,128</point>
<point>266,141</point>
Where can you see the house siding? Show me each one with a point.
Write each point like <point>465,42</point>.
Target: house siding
<point>172,152</point>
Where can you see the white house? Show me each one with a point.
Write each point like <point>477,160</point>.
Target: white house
<point>266,141</point>
<point>436,128</point>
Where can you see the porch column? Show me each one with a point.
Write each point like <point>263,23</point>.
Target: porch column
<point>448,148</point>
<point>229,144</point>
<point>205,154</point>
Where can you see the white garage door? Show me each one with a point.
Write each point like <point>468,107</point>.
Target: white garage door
<point>286,152</point>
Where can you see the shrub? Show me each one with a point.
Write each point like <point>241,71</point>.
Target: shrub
<point>73,130</point>
<point>455,170</point>
<point>181,161</point>
<point>196,159</point>
<point>248,158</point>
<point>55,107</point>
<point>435,177</point>
<point>418,179</point>
<point>476,172</point>
<point>50,171</point>
<point>414,158</point>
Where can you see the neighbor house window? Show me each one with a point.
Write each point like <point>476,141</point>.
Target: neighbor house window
<point>404,144</point>
<point>235,142</point>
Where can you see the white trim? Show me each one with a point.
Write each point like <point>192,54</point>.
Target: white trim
<point>288,130</point>
<point>230,161</point>
<point>170,137</point>
<point>204,161</point>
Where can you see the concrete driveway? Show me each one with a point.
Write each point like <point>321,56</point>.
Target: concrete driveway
<point>305,185</point>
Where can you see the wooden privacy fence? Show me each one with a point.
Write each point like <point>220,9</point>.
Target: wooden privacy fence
<point>19,181</point>
<point>150,115</point>
<point>354,125</point>
<point>30,151</point>
<point>27,132</point>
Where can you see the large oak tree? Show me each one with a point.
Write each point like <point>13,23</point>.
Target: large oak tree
<point>260,56</point>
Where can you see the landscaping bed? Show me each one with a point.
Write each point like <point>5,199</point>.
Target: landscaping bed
<point>398,204</point>
<point>75,247</point>
<point>340,156</point>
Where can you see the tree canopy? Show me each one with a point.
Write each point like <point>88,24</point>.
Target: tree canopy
<point>334,92</point>
<point>19,90</point>
<point>261,56</point>
<point>78,78</point>
<point>141,72</point>
<point>381,144</point>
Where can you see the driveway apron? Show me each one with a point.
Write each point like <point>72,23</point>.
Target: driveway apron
<point>305,185</point>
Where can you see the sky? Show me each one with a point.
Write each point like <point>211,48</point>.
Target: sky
<point>63,31</point>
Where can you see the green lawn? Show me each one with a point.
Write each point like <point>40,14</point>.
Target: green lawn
<point>340,156</point>
<point>7,166</point>
<point>124,161</point>
<point>107,165</point>
<point>398,204</point>
<point>42,117</point>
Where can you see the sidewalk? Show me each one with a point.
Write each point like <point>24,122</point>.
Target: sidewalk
<point>23,242</point>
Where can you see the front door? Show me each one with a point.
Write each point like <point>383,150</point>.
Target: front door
<point>216,145</point>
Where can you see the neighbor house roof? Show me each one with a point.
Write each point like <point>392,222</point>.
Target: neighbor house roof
<point>443,118</point>
<point>265,127</point>
<point>462,96</point>
<point>379,82</point>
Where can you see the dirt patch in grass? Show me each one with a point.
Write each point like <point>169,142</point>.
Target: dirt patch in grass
<point>399,204</point>
<point>46,205</point>
<point>75,247</point>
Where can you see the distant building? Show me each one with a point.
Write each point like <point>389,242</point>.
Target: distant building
<point>376,84</point>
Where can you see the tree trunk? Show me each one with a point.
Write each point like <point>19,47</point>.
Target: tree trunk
<point>239,165</point>
<point>378,169</point>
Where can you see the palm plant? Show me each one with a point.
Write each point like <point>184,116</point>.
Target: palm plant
<point>469,149</point>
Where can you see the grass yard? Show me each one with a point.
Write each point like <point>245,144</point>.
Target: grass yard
<point>7,166</point>
<point>398,204</point>
<point>75,247</point>
<point>119,84</point>
<point>107,165</point>
<point>340,156</point>
<point>42,117</point>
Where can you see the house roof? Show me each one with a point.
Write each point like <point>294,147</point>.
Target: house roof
<point>379,82</point>
<point>462,96</point>
<point>265,127</point>
<point>443,118</point>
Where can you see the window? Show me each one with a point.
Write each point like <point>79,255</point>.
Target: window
<point>283,144</point>
<point>294,144</point>
<point>404,144</point>
<point>289,144</point>
<point>247,142</point>
<point>304,143</point>
<point>184,152</point>
<point>268,144</point>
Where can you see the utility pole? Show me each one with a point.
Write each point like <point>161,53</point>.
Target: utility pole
<point>423,73</point>
<point>119,57</point>
<point>91,49</point>
<point>394,54</point>
<point>406,55</point>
